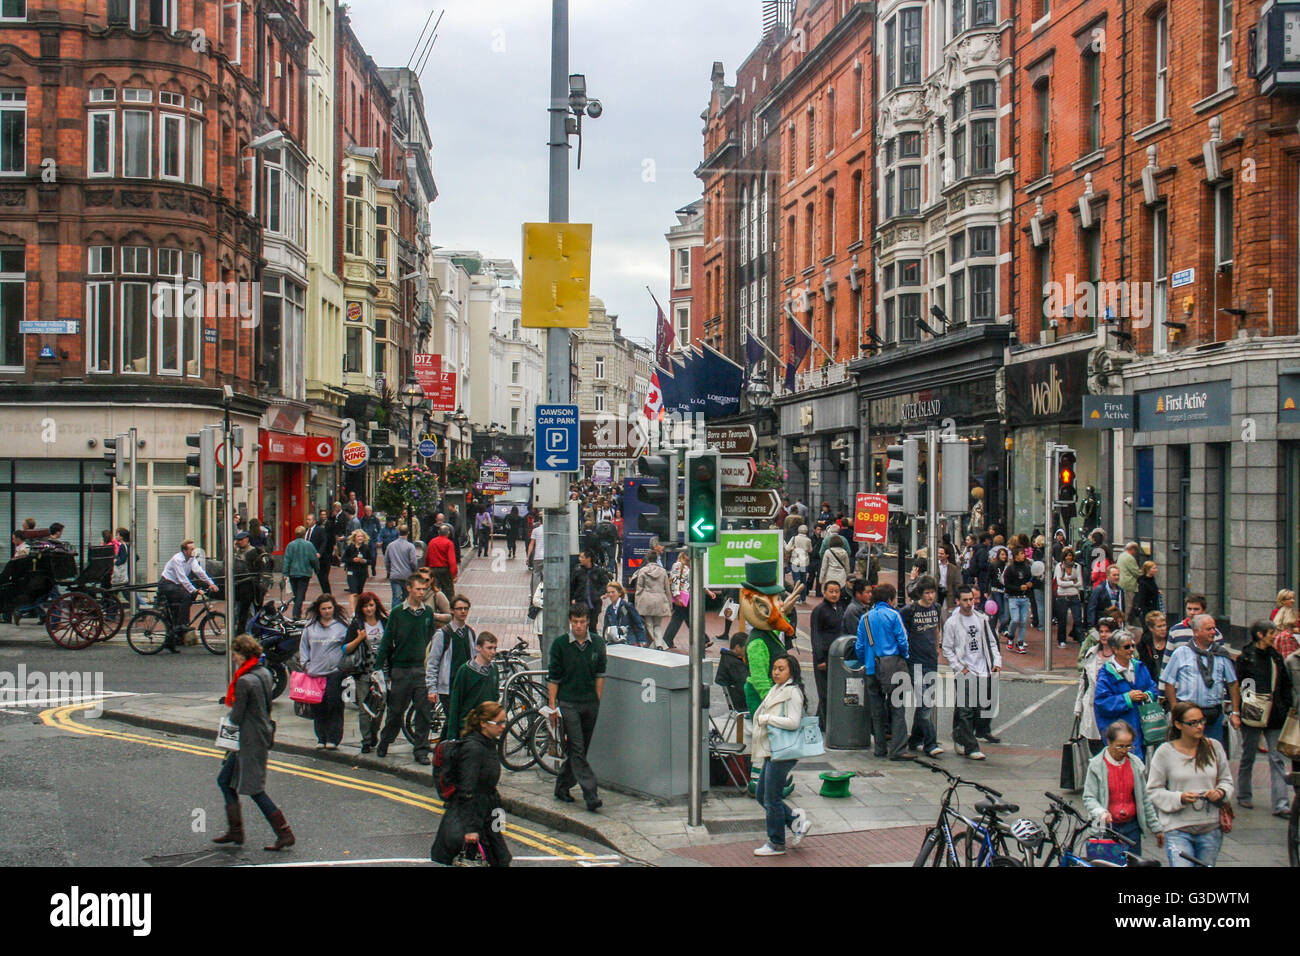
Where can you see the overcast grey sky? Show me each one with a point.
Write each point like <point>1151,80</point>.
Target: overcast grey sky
<point>486,89</point>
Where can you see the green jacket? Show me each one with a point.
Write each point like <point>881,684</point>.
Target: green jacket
<point>1129,572</point>
<point>406,638</point>
<point>469,688</point>
<point>574,668</point>
<point>300,559</point>
<point>1096,792</point>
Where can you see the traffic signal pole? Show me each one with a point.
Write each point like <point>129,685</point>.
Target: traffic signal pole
<point>555,564</point>
<point>932,502</point>
<point>228,503</point>
<point>135,541</point>
<point>695,750</point>
<point>1049,472</point>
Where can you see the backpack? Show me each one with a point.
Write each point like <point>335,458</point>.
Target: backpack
<point>446,755</point>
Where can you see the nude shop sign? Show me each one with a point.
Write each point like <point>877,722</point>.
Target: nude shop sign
<point>1197,406</point>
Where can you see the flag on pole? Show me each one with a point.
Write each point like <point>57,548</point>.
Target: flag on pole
<point>800,343</point>
<point>654,399</point>
<point>664,334</point>
<point>753,349</point>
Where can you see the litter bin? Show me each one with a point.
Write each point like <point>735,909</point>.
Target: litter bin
<point>846,698</point>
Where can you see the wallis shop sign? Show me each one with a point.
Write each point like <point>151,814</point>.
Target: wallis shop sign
<point>1047,390</point>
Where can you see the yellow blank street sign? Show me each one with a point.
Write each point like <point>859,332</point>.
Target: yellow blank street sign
<point>557,275</point>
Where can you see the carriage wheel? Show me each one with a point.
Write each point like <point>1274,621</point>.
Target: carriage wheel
<point>114,612</point>
<point>74,621</point>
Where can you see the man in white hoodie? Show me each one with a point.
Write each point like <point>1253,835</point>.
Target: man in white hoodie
<point>972,651</point>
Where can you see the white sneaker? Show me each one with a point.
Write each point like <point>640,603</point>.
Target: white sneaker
<point>801,827</point>
<point>660,646</point>
<point>768,850</point>
<point>935,751</point>
<point>976,755</point>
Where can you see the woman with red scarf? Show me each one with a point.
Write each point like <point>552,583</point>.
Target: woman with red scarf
<point>244,770</point>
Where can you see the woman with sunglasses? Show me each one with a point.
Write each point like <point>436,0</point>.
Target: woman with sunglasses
<point>472,823</point>
<point>1188,781</point>
<point>1124,683</point>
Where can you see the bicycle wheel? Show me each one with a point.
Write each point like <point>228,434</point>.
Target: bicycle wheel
<point>212,631</point>
<point>546,746</point>
<point>438,720</point>
<point>147,632</point>
<point>932,850</point>
<point>515,754</point>
<point>74,621</point>
<point>114,611</point>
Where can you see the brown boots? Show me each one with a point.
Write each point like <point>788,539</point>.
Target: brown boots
<point>234,826</point>
<point>283,835</point>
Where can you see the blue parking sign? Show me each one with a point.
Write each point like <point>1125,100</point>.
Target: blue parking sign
<point>555,447</point>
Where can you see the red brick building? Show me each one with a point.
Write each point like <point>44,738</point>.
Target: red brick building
<point>125,174</point>
<point>685,249</point>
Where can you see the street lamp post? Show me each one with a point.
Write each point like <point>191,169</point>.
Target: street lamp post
<point>412,398</point>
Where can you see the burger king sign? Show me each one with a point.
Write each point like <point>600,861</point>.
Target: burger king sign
<point>355,454</point>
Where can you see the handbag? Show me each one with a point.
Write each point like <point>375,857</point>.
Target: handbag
<point>306,689</point>
<point>358,661</point>
<point>1154,721</point>
<point>804,741</point>
<point>1226,815</point>
<point>1288,742</point>
<point>1257,708</point>
<point>682,598</point>
<point>471,854</point>
<point>1074,760</point>
<point>1105,851</point>
<point>888,665</point>
<point>227,734</point>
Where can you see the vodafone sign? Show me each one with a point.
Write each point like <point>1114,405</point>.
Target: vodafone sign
<point>311,449</point>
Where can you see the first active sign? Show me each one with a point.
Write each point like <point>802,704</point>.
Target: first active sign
<point>555,447</point>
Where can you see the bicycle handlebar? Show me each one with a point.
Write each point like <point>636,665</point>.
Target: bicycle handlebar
<point>1066,807</point>
<point>958,781</point>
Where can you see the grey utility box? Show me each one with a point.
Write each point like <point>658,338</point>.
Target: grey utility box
<point>846,698</point>
<point>642,733</point>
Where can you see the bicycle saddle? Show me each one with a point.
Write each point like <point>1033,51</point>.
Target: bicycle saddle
<point>996,806</point>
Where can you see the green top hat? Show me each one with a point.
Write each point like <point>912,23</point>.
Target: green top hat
<point>763,577</point>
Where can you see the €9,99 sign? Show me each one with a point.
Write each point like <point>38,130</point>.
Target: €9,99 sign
<point>871,518</point>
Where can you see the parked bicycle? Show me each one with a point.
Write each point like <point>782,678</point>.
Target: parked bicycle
<point>148,628</point>
<point>1064,852</point>
<point>530,739</point>
<point>958,840</point>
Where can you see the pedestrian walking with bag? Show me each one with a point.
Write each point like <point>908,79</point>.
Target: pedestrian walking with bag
<point>882,649</point>
<point>366,628</point>
<point>243,771</point>
<point>120,574</point>
<point>782,710</point>
<point>321,653</point>
<point>653,599</point>
<point>1096,657</point>
<point>679,579</point>
<point>797,550</point>
<point>1067,577</point>
<point>620,623</point>
<point>1266,699</point>
<point>1126,692</point>
<point>1190,785</point>
<point>835,563</point>
<point>1115,790</point>
<point>473,822</point>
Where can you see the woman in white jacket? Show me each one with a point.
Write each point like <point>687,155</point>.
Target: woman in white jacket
<point>1085,697</point>
<point>783,707</point>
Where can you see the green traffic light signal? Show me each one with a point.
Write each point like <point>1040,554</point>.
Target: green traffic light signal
<point>703,498</point>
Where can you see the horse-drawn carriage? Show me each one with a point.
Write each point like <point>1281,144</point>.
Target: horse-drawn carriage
<point>86,610</point>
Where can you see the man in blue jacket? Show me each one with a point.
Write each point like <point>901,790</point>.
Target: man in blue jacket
<point>881,634</point>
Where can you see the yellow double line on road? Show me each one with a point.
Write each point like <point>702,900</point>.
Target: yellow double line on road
<point>61,718</point>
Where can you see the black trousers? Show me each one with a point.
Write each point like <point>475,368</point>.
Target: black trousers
<point>681,615</point>
<point>820,677</point>
<point>887,718</point>
<point>407,687</point>
<point>179,602</point>
<point>328,717</point>
<point>299,586</point>
<point>579,723</point>
<point>323,574</point>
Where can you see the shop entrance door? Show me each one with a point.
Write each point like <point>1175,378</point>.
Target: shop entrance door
<point>1180,527</point>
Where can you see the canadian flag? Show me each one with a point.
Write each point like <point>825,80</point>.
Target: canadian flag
<point>654,400</point>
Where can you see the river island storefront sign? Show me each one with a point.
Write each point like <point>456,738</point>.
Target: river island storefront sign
<point>1207,405</point>
<point>922,411</point>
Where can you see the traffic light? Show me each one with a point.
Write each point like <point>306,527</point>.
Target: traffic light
<point>660,496</point>
<point>1066,491</point>
<point>954,482</point>
<point>903,475</point>
<point>703,497</point>
<point>205,461</point>
<point>116,458</point>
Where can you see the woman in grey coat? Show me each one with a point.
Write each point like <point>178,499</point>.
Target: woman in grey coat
<point>244,770</point>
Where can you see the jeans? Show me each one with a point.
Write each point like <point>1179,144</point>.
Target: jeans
<point>406,688</point>
<point>328,720</point>
<point>1060,608</point>
<point>1277,765</point>
<point>579,721</point>
<point>771,784</point>
<point>1039,609</point>
<point>800,577</point>
<point>1133,831</point>
<point>1000,621</point>
<point>924,687</point>
<point>681,615</point>
<point>1019,608</point>
<point>299,586</point>
<point>399,591</point>
<point>1203,846</point>
<point>228,793</point>
<point>887,718</point>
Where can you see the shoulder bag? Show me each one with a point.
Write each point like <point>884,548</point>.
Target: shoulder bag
<point>887,665</point>
<point>1257,708</point>
<point>1074,760</point>
<point>1288,742</point>
<point>306,689</point>
<point>804,741</point>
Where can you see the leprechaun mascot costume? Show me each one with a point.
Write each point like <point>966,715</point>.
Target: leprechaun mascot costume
<point>762,609</point>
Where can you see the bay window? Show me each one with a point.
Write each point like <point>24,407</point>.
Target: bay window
<point>137,130</point>
<point>99,159</point>
<point>13,131</point>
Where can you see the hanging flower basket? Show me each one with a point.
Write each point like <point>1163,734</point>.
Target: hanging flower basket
<point>406,489</point>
